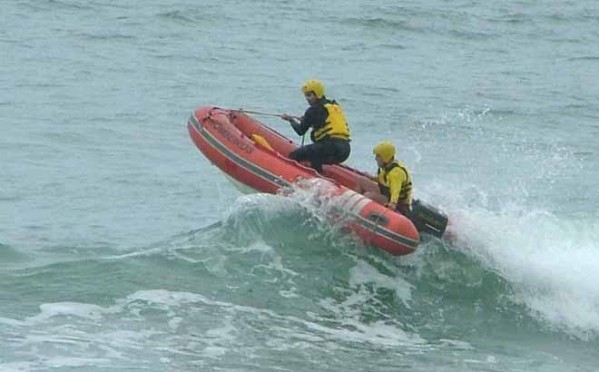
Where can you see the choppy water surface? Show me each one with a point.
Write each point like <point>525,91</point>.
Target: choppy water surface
<point>121,247</point>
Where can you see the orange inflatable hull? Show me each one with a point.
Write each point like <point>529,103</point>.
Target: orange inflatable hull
<point>228,139</point>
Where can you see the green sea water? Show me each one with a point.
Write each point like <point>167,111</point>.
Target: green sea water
<point>122,248</point>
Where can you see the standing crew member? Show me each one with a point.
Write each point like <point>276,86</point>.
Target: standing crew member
<point>330,131</point>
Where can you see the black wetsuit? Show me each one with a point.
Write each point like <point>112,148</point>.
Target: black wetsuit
<point>326,149</point>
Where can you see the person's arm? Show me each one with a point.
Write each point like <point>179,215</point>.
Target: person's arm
<point>314,117</point>
<point>300,127</point>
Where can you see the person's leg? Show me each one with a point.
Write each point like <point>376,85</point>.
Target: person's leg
<point>301,153</point>
<point>311,153</point>
<point>335,151</point>
<point>327,152</point>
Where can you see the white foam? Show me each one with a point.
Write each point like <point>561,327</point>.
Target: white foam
<point>10,322</point>
<point>317,196</point>
<point>51,341</point>
<point>165,297</point>
<point>18,366</point>
<point>379,333</point>
<point>80,310</point>
<point>275,262</point>
<point>273,203</point>
<point>58,362</point>
<point>109,335</point>
<point>349,329</point>
<point>365,281</point>
<point>552,262</point>
<point>364,273</point>
<point>257,246</point>
<point>174,323</point>
<point>456,344</point>
<point>219,338</point>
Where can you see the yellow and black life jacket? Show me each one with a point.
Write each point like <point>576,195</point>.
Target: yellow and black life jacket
<point>395,170</point>
<point>335,125</point>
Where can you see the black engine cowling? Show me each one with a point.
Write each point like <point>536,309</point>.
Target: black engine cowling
<point>428,219</point>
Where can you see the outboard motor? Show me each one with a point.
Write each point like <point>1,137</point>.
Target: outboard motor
<point>428,219</point>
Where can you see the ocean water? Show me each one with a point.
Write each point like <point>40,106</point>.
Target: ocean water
<point>122,248</point>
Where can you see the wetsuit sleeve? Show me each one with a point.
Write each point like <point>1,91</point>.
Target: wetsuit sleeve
<point>297,127</point>
<point>396,178</point>
<point>314,117</point>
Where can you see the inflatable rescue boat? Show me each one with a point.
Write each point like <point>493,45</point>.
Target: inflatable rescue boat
<point>254,157</point>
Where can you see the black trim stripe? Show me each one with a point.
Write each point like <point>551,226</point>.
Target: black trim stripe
<point>267,176</point>
<point>392,235</point>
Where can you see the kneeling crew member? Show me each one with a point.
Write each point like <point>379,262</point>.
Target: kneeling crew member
<point>330,131</point>
<point>394,181</point>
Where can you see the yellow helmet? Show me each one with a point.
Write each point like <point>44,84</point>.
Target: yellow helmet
<point>385,150</point>
<point>315,86</point>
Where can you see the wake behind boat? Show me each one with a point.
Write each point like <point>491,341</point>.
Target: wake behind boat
<point>255,157</point>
